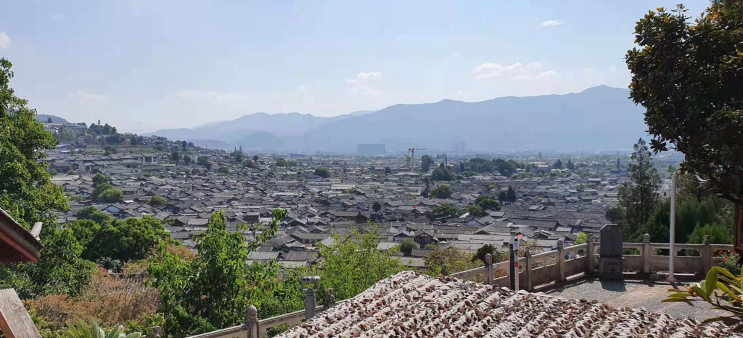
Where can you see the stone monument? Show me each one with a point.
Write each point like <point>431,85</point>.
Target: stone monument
<point>610,252</point>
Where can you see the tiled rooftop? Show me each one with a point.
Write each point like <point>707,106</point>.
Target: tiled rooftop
<point>413,305</point>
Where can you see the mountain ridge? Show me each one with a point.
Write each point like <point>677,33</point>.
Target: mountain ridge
<point>600,117</point>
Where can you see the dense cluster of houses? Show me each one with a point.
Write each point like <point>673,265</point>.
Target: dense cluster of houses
<point>547,209</point>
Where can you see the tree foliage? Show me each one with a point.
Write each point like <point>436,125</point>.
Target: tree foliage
<point>558,164</point>
<point>637,200</point>
<point>210,291</point>
<point>445,210</point>
<point>426,162</point>
<point>26,191</point>
<point>156,200</point>
<point>442,174</point>
<point>322,172</point>
<point>450,259</point>
<point>354,263</point>
<point>407,246</point>
<point>688,78</point>
<point>483,251</point>
<point>475,210</point>
<point>487,202</point>
<point>442,191</point>
<point>511,195</point>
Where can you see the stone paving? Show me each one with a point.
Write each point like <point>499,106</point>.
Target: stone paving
<point>636,294</point>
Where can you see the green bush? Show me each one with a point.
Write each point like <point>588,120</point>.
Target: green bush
<point>83,329</point>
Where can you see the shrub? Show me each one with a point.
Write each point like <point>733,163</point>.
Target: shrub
<point>107,299</point>
<point>82,329</point>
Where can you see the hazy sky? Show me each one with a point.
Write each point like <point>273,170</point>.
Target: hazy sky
<point>143,65</point>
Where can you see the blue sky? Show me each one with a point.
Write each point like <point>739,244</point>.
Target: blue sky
<point>143,65</point>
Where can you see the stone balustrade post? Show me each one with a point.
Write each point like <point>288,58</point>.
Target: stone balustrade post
<point>561,262</point>
<point>310,299</point>
<point>329,299</point>
<point>252,322</point>
<point>154,332</point>
<point>527,270</point>
<point>590,255</point>
<point>489,268</point>
<point>707,261</point>
<point>646,255</point>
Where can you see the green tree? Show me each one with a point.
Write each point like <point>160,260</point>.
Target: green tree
<point>407,246</point>
<point>175,157</point>
<point>125,240</point>
<point>638,199</point>
<point>571,166</point>
<point>442,191</point>
<point>157,200</point>
<point>354,263</point>
<point>558,164</point>
<point>376,206</point>
<point>445,210</point>
<point>96,216</point>
<point>387,171</point>
<point>103,191</point>
<point>450,259</point>
<point>487,202</point>
<point>475,210</point>
<point>211,290</point>
<point>26,191</point>
<point>511,195</point>
<point>187,160</point>
<point>426,162</point>
<point>502,196</point>
<point>67,135</point>
<point>110,195</point>
<point>718,234</point>
<point>687,77</point>
<point>322,172</point>
<point>60,269</point>
<point>255,158</point>
<point>223,170</point>
<point>108,150</point>
<point>483,251</point>
<point>281,162</point>
<point>442,174</point>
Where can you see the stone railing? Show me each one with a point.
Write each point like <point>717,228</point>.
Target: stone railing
<point>536,271</point>
<point>545,269</point>
<point>255,328</point>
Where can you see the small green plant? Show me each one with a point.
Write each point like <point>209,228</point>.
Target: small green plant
<point>82,329</point>
<point>721,288</point>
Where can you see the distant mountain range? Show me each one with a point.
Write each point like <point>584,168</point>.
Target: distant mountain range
<point>598,118</point>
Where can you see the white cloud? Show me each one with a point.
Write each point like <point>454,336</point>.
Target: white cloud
<point>551,23</point>
<point>88,96</point>
<point>212,96</point>
<point>5,40</point>
<point>361,84</point>
<point>57,17</point>
<point>517,71</point>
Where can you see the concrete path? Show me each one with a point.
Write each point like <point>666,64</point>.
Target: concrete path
<point>636,294</point>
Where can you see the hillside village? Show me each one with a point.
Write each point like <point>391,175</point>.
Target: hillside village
<point>548,208</point>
